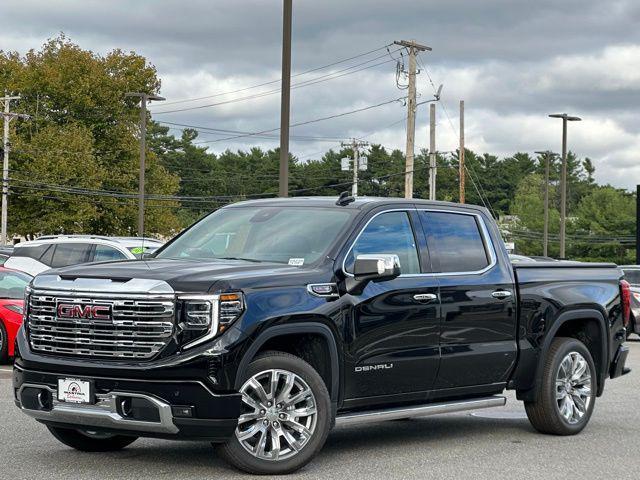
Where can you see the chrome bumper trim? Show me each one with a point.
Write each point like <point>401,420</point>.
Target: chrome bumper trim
<point>103,413</point>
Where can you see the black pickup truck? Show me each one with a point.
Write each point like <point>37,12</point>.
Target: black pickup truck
<point>268,322</point>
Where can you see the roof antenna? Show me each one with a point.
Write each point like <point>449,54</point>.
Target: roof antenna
<point>345,199</point>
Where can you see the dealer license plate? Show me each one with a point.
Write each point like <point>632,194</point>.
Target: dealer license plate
<point>73,390</point>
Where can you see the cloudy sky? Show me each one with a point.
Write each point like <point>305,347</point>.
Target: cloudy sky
<point>512,61</point>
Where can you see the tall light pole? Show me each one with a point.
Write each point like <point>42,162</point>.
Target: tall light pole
<point>548,157</point>
<point>563,178</point>
<point>285,98</point>
<point>144,98</point>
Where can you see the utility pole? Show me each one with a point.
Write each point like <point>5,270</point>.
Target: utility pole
<point>548,157</point>
<point>563,179</point>
<point>413,48</point>
<point>6,116</point>
<point>433,171</point>
<point>144,98</point>
<point>285,98</point>
<point>461,162</point>
<point>638,225</point>
<point>358,164</point>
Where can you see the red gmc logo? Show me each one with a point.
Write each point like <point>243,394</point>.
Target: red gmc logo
<point>92,312</point>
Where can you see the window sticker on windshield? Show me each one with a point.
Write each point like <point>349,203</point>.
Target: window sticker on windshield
<point>296,262</point>
<point>137,250</point>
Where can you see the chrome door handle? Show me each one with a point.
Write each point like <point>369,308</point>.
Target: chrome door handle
<point>425,297</point>
<point>501,294</point>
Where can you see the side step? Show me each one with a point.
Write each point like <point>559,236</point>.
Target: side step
<point>420,410</point>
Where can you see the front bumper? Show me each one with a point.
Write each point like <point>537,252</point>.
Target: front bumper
<point>154,408</point>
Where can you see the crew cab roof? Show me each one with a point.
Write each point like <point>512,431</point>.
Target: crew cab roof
<point>360,203</point>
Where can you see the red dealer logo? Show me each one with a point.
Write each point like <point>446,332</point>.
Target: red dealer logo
<point>92,312</point>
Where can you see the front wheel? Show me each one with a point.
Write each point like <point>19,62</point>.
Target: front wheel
<point>4,344</point>
<point>285,416</point>
<point>566,396</point>
<point>89,441</point>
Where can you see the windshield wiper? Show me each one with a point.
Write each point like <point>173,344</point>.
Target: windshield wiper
<point>238,258</point>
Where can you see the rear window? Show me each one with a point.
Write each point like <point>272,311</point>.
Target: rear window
<point>70,254</point>
<point>455,241</point>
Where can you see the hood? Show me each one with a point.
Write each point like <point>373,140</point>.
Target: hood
<point>193,275</point>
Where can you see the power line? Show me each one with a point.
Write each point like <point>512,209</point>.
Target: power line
<point>299,124</point>
<point>324,78</point>
<point>315,69</point>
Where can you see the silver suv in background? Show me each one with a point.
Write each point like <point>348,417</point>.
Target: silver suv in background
<point>54,251</point>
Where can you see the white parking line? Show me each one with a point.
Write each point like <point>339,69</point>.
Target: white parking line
<point>5,369</point>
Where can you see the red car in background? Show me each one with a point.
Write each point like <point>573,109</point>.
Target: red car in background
<point>12,286</point>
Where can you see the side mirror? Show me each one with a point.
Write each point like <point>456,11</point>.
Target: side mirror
<point>372,268</point>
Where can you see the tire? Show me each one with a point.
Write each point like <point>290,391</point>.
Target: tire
<point>565,398</point>
<point>262,414</point>
<point>91,442</point>
<point>4,344</point>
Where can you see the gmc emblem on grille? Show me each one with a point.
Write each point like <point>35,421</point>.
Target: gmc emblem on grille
<point>91,312</point>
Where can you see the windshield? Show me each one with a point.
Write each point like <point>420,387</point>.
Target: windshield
<point>632,276</point>
<point>293,235</point>
<point>12,284</point>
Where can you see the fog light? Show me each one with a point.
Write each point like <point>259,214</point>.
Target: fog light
<point>182,412</point>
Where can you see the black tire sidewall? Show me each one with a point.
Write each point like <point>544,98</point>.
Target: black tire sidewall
<point>4,343</point>
<point>570,345</point>
<point>235,453</point>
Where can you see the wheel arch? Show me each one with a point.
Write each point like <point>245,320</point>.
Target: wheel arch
<point>298,328</point>
<point>562,324</point>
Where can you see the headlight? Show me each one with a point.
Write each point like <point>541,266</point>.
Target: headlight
<point>202,317</point>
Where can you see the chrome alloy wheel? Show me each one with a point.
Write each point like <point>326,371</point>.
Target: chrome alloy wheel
<point>279,415</point>
<point>573,387</point>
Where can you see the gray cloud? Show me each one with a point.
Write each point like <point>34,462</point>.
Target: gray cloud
<point>512,61</point>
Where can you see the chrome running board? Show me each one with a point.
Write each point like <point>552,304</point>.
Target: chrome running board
<point>419,410</point>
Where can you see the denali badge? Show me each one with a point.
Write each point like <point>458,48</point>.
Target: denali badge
<point>76,310</point>
<point>368,368</point>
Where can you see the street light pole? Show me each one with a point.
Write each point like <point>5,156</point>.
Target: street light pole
<point>548,156</point>
<point>563,179</point>
<point>144,98</point>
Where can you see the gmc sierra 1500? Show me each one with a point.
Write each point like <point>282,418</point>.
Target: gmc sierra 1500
<point>267,322</point>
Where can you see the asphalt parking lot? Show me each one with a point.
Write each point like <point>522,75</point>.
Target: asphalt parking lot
<point>491,444</point>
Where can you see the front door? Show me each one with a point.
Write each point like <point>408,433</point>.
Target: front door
<point>393,328</point>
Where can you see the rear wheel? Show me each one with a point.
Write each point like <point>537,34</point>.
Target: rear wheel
<point>4,344</point>
<point>90,441</point>
<point>285,417</point>
<point>566,396</point>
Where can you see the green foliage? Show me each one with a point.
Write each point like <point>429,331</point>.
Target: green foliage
<point>82,133</point>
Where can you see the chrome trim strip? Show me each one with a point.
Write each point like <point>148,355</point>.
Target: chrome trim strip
<point>483,231</point>
<point>103,413</point>
<point>419,411</point>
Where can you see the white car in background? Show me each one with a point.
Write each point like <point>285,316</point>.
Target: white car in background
<point>36,256</point>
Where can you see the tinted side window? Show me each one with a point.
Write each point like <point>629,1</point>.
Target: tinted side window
<point>105,253</point>
<point>455,241</point>
<point>70,254</point>
<point>34,252</point>
<point>388,233</point>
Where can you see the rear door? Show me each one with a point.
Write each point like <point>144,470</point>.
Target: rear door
<point>393,329</point>
<point>477,297</point>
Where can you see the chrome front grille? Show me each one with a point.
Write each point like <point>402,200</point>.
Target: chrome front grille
<point>137,327</point>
